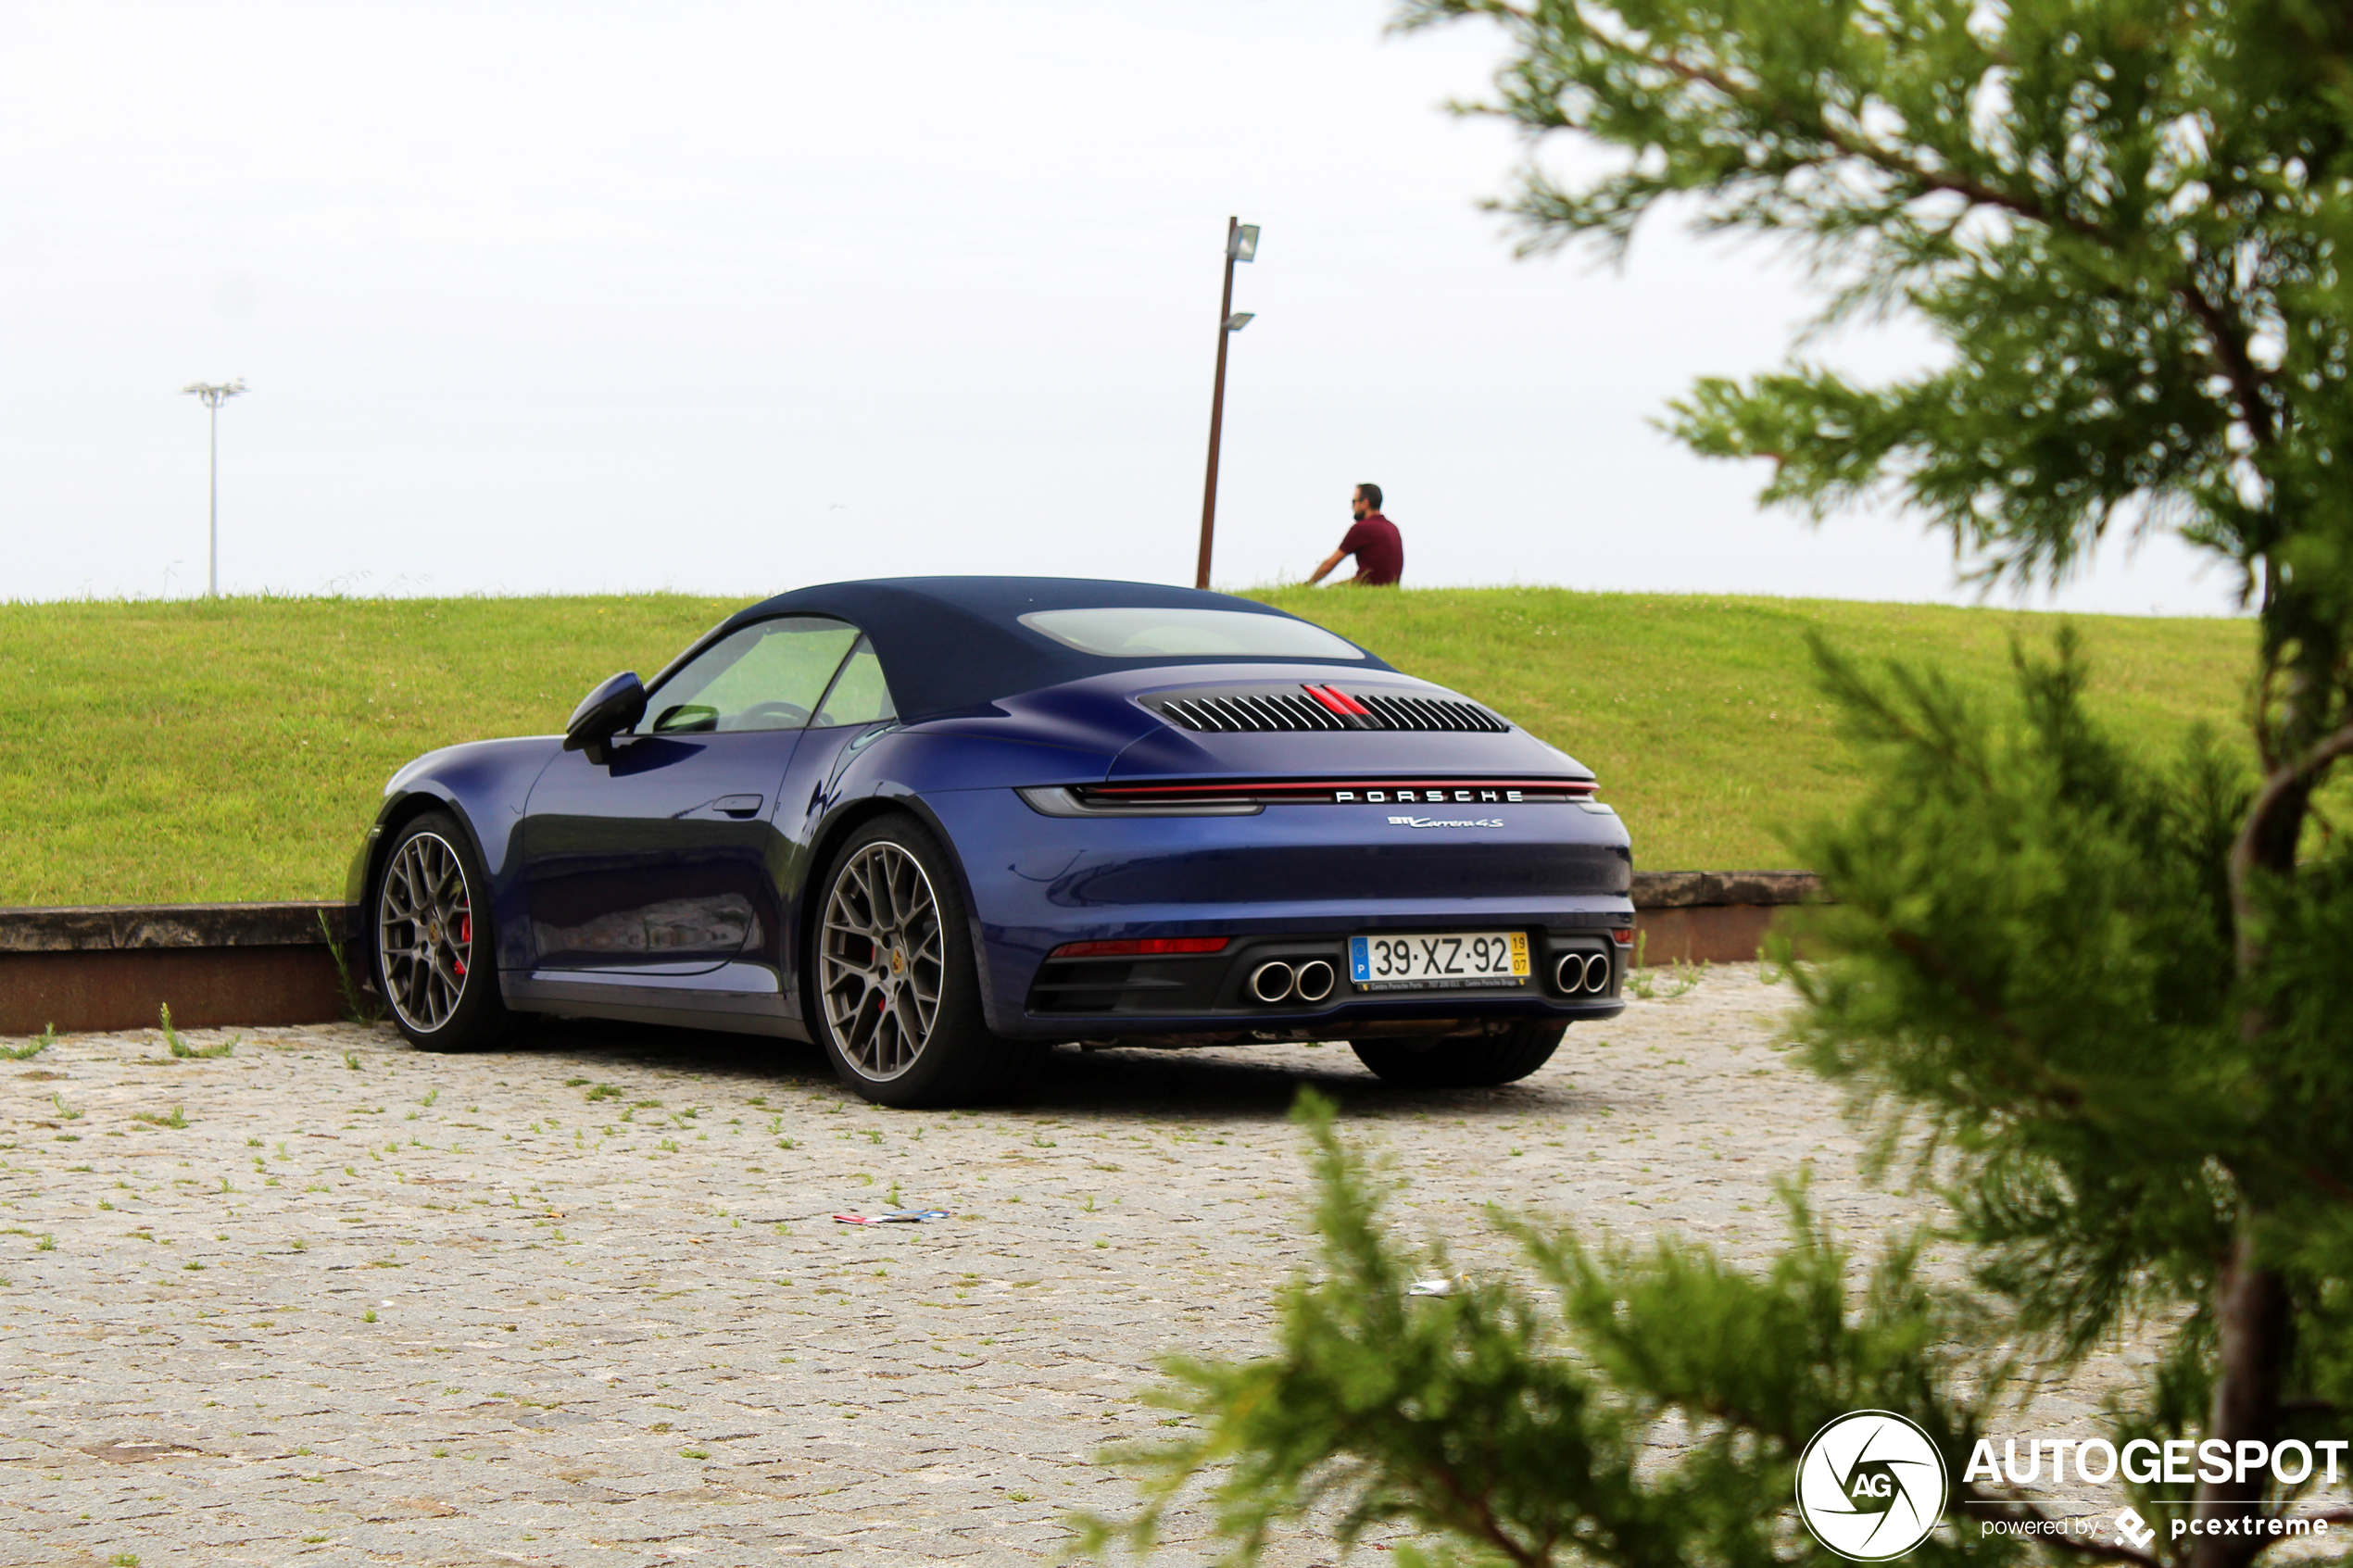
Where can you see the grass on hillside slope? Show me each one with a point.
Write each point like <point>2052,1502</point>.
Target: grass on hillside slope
<point>195,750</point>
<point>1700,714</point>
<point>234,749</point>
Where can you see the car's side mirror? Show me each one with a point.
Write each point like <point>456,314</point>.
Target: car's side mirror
<point>604,712</point>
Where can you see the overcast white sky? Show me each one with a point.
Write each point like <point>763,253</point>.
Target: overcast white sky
<point>736,294</point>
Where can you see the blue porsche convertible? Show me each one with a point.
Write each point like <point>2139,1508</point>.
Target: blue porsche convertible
<point>938,824</point>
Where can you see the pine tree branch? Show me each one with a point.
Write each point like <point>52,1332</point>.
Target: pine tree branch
<point>2259,834</point>
<point>2042,1085</point>
<point>2237,365</point>
<point>2328,1182</point>
<point>1480,1506</point>
<point>2227,343</point>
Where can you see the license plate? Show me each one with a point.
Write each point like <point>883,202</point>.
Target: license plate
<point>1437,961</point>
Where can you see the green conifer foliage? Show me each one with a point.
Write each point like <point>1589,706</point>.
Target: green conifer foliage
<point>2102,1000</point>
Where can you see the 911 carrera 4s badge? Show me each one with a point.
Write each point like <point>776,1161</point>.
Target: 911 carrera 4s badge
<point>1445,822</point>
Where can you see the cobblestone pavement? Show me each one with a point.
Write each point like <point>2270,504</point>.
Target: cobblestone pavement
<point>331,1300</point>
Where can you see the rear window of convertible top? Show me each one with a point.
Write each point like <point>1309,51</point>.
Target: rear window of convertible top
<point>1145,633</point>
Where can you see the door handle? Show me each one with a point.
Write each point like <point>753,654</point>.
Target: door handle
<point>737,805</point>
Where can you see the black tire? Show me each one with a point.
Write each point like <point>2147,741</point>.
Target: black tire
<point>431,944</point>
<point>1476,1062</point>
<point>894,990</point>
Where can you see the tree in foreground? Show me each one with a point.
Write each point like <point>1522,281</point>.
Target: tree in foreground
<point>2102,998</point>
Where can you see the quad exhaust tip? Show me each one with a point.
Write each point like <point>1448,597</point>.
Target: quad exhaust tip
<point>1579,974</point>
<point>1312,980</point>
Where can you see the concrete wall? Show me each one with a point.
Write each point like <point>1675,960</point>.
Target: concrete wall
<point>109,967</point>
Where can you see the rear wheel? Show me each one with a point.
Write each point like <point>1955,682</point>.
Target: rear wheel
<point>429,939</point>
<point>898,991</point>
<point>1477,1062</point>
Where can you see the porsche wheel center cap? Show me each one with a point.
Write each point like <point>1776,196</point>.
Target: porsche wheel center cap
<point>898,961</point>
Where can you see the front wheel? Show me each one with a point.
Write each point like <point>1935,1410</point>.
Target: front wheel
<point>429,939</point>
<point>896,988</point>
<point>1479,1061</point>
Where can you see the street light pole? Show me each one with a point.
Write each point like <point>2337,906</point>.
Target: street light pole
<point>212,395</point>
<point>1242,244</point>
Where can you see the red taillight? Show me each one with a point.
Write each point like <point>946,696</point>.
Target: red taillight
<point>1140,947</point>
<point>1623,936</point>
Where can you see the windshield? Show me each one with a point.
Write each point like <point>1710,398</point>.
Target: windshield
<point>1146,633</point>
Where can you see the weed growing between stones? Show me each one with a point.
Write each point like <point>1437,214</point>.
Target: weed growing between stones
<point>358,1007</point>
<point>32,1048</point>
<point>183,1051</point>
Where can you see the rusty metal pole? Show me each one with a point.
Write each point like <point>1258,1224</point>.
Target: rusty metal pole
<point>1217,412</point>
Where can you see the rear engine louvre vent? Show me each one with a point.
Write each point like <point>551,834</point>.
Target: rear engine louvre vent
<point>1244,710</point>
<point>1240,710</point>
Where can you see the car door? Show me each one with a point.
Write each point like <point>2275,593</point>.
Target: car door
<point>661,858</point>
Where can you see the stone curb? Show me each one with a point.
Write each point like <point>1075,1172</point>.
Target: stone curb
<point>81,928</point>
<point>99,967</point>
<point>295,923</point>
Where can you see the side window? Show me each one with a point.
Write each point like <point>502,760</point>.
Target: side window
<point>860,694</point>
<point>765,676</point>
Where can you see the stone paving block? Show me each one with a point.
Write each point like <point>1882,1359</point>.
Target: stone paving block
<point>384,1305</point>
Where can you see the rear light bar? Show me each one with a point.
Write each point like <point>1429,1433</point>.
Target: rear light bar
<point>1144,946</point>
<point>1372,792</point>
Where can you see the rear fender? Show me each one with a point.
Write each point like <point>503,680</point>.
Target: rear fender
<point>841,820</point>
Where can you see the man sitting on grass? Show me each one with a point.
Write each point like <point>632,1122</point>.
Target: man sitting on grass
<point>1380,554</point>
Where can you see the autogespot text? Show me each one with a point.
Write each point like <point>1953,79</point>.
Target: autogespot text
<point>2147,1462</point>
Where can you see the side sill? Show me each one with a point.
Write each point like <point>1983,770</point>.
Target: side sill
<point>742,997</point>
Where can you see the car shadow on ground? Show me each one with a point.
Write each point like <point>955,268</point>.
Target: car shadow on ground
<point>1233,1084</point>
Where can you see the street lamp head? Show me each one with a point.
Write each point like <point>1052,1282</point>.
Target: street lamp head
<point>213,393</point>
<point>1244,245</point>
<point>1239,320</point>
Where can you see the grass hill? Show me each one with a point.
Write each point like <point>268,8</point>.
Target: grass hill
<point>234,749</point>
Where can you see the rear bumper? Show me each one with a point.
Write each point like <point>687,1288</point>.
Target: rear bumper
<point>1290,883</point>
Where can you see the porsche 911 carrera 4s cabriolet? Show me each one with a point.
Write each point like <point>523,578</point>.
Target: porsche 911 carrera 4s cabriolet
<point>939,825</point>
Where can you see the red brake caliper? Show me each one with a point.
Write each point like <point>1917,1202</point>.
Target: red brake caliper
<point>465,941</point>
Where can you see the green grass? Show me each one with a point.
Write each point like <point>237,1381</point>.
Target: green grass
<point>1699,712</point>
<point>169,751</point>
<point>193,751</point>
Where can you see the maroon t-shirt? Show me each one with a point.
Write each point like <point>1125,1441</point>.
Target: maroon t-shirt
<point>1380,554</point>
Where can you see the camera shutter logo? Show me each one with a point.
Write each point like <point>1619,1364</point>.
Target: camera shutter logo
<point>1871,1486</point>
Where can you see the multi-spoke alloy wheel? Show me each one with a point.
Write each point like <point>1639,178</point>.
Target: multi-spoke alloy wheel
<point>424,932</point>
<point>880,960</point>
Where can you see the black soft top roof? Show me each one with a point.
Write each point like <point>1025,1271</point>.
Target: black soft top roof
<point>948,644</point>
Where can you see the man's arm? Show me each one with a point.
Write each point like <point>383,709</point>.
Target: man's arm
<point>1329,561</point>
